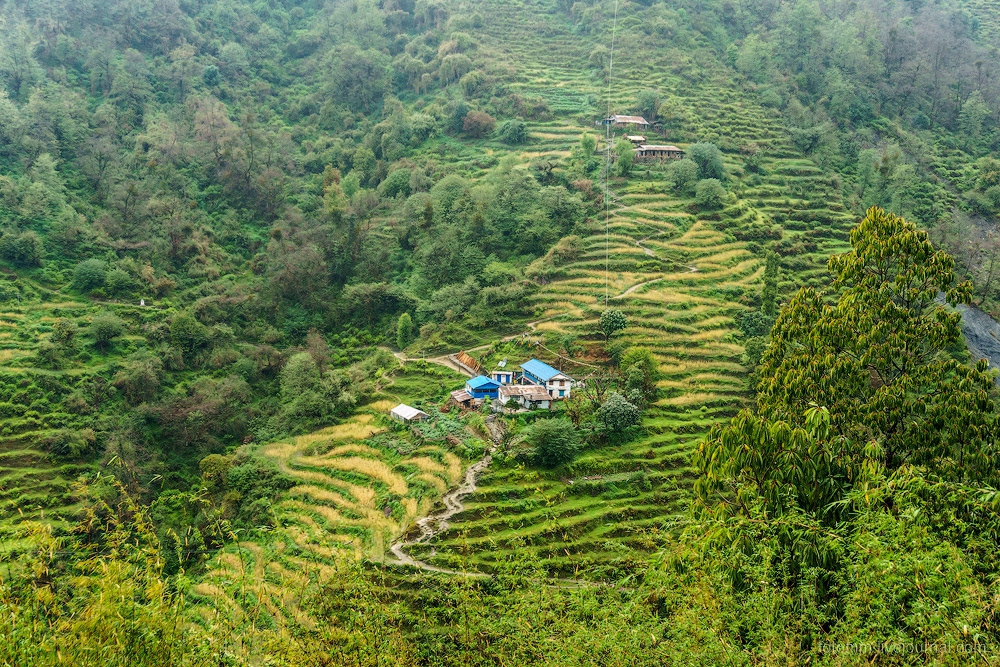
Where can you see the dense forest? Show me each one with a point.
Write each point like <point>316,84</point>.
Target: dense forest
<point>234,234</point>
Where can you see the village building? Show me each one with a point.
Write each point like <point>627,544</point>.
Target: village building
<point>482,387</point>
<point>462,398</point>
<point>648,152</point>
<point>618,120</point>
<point>555,382</point>
<point>405,414</point>
<point>527,396</point>
<point>502,376</point>
<point>636,139</point>
<point>466,363</point>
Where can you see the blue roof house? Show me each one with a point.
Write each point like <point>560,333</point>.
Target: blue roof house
<point>482,387</point>
<point>555,382</point>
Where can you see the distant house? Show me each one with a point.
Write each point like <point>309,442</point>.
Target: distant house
<point>405,414</point>
<point>502,376</point>
<point>636,139</point>
<point>528,397</point>
<point>555,382</point>
<point>482,387</point>
<point>647,152</point>
<point>466,363</point>
<point>618,120</point>
<point>462,398</point>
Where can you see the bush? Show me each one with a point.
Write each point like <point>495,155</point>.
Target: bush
<point>24,249</point>
<point>556,441</point>
<point>89,275</point>
<point>710,194</point>
<point>708,157</point>
<point>105,328</point>
<point>512,132</point>
<point>478,124</point>
<point>617,414</point>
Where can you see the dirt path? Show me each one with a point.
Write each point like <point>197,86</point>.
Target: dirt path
<point>444,360</point>
<point>633,288</point>
<point>434,524</point>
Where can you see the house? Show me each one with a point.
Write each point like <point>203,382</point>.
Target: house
<point>528,396</point>
<point>636,139</point>
<point>405,414</point>
<point>482,387</point>
<point>462,398</point>
<point>466,363</point>
<point>648,152</point>
<point>618,120</point>
<point>556,383</point>
<point>502,376</point>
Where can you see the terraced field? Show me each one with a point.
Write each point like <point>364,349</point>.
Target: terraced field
<point>40,459</point>
<point>358,485</point>
<point>681,277</point>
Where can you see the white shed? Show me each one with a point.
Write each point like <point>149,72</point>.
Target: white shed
<point>404,413</point>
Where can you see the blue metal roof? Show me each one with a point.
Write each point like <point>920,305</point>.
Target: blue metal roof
<point>481,382</point>
<point>540,370</point>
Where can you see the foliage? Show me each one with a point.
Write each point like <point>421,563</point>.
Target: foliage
<point>555,441</point>
<point>708,157</point>
<point>512,132</point>
<point>612,321</point>
<point>858,402</point>
<point>709,193</point>
<point>618,415</point>
<point>105,328</point>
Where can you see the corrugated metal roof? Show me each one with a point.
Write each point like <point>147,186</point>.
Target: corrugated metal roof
<point>407,412</point>
<point>461,396</point>
<point>541,370</point>
<point>481,381</point>
<point>635,120</point>
<point>654,147</point>
<point>532,392</point>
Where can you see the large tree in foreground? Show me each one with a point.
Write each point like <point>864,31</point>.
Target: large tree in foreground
<point>858,390</point>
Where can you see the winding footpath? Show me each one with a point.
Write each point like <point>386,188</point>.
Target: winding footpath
<point>434,524</point>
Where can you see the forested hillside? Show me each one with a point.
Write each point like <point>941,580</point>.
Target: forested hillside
<point>234,235</point>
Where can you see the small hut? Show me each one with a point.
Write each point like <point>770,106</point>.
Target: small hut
<point>405,414</point>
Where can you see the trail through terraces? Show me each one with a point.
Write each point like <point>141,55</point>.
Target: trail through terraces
<point>437,523</point>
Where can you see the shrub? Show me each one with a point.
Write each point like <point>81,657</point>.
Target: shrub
<point>710,194</point>
<point>89,275</point>
<point>105,327</point>
<point>556,441</point>
<point>512,132</point>
<point>478,124</point>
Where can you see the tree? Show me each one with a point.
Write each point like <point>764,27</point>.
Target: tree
<point>853,390</point>
<point>478,124</point>
<point>556,441</point>
<point>89,275</point>
<point>709,194</point>
<point>708,157</point>
<point>617,414</point>
<point>187,333</point>
<point>359,78</point>
<point>105,328</point>
<point>612,321</point>
<point>24,249</point>
<point>642,370</point>
<point>683,175</point>
<point>971,119</point>
<point>625,157</point>
<point>404,331</point>
<point>647,104</point>
<point>512,132</point>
